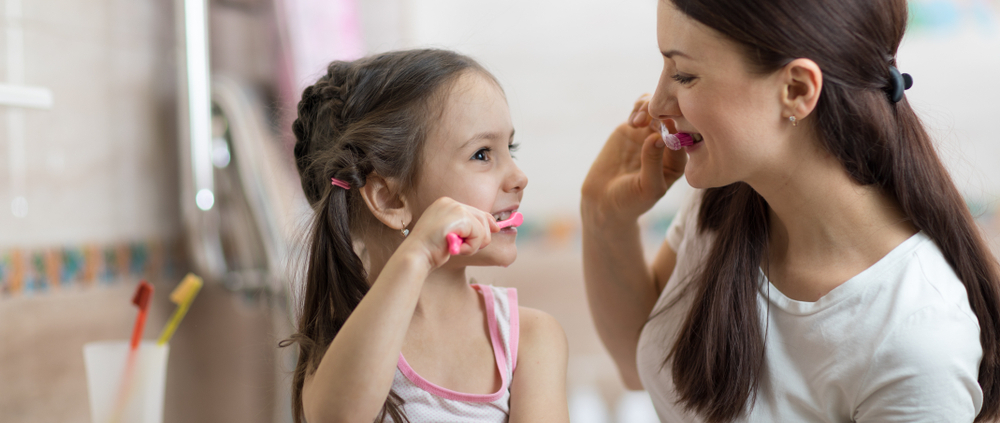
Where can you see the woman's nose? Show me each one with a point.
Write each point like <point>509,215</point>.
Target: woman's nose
<point>663,104</point>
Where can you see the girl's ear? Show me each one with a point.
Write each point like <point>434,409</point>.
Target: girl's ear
<point>802,83</point>
<point>385,202</point>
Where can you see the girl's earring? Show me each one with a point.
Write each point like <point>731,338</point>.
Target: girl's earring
<point>793,121</point>
<point>404,231</point>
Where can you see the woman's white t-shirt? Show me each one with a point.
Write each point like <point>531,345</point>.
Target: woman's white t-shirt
<point>898,342</point>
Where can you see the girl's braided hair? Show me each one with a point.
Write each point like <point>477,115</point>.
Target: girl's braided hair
<point>363,117</point>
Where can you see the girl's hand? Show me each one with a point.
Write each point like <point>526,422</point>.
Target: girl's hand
<point>633,170</point>
<point>357,369</point>
<point>445,216</point>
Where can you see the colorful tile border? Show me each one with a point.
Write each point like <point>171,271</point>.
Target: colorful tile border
<point>565,230</point>
<point>27,272</point>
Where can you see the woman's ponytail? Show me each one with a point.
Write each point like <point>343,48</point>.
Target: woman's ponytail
<point>929,197</point>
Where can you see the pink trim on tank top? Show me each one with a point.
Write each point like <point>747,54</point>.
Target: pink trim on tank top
<point>515,326</point>
<point>498,355</point>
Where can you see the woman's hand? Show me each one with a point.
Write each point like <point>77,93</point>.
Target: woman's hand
<point>633,170</point>
<point>445,216</point>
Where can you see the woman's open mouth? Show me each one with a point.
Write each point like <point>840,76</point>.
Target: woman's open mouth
<point>689,139</point>
<point>679,140</point>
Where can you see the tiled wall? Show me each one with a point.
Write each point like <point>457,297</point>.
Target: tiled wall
<point>100,165</point>
<point>100,181</point>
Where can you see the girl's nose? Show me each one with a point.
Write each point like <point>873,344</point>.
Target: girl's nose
<point>516,179</point>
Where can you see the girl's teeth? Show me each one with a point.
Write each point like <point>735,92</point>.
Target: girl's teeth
<point>697,137</point>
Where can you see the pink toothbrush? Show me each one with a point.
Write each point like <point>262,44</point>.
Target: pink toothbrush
<point>675,141</point>
<point>455,241</point>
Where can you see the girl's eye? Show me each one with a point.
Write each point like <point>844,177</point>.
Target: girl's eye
<point>482,154</point>
<point>512,147</point>
<point>683,79</point>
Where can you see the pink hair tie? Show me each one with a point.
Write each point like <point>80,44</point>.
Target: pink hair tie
<point>339,183</point>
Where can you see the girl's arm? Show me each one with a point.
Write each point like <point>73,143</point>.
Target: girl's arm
<point>355,375</point>
<point>538,390</point>
<point>631,173</point>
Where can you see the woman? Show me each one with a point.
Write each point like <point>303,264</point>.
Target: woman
<point>829,270</point>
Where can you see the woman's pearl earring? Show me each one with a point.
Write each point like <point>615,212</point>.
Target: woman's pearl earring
<point>793,121</point>
<point>404,230</point>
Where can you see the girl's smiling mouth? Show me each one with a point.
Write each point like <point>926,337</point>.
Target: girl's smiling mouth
<point>504,215</point>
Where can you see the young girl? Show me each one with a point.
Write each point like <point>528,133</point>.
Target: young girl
<point>395,152</point>
<point>829,271</point>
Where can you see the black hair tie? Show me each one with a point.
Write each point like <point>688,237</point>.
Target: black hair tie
<point>898,83</point>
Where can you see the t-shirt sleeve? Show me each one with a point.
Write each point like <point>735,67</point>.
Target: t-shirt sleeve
<point>926,370</point>
<point>680,224</point>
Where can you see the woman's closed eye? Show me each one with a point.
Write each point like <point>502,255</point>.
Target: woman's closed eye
<point>683,79</point>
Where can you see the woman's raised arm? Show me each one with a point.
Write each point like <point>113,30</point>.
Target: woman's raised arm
<point>631,173</point>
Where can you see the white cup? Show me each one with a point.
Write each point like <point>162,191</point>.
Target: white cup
<point>106,362</point>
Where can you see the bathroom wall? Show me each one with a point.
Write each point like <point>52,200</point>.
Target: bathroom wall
<point>99,167</point>
<point>98,178</point>
<point>97,173</point>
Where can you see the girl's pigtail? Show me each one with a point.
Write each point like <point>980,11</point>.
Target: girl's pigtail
<point>332,289</point>
<point>336,284</point>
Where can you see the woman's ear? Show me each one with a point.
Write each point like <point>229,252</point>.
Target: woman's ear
<point>803,82</point>
<point>385,201</point>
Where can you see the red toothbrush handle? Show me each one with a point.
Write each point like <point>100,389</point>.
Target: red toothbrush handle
<point>141,298</point>
<point>140,323</point>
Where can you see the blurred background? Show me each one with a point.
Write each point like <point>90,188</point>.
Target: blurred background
<point>139,142</point>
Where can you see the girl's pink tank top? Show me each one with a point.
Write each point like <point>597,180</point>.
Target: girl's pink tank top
<point>424,401</point>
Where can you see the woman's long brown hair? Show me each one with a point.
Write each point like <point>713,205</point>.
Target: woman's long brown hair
<point>717,360</point>
<point>362,117</point>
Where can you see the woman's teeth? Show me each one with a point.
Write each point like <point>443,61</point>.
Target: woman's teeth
<point>502,215</point>
<point>688,139</point>
<point>679,140</point>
